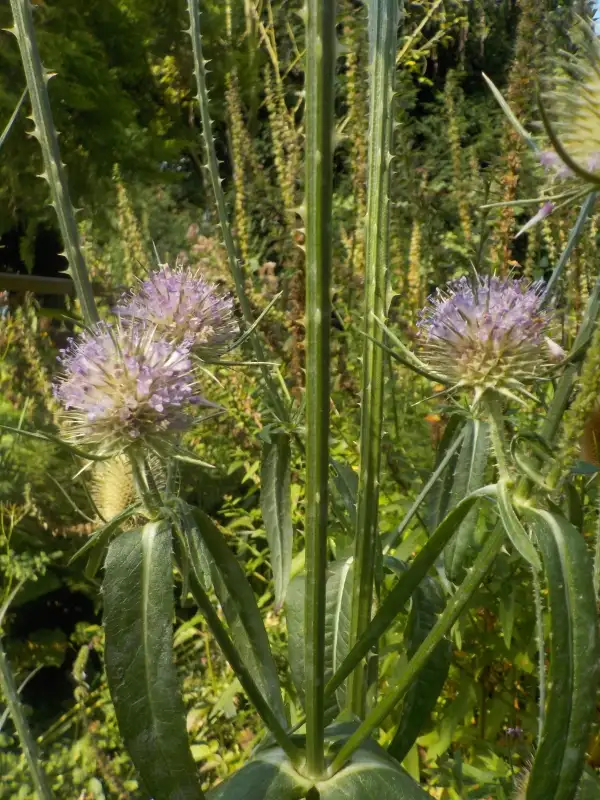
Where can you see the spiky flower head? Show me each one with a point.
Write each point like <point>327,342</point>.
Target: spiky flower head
<point>183,307</point>
<point>123,385</point>
<point>571,111</point>
<point>485,334</point>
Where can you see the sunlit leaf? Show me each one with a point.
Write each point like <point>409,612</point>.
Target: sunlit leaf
<point>276,506</point>
<point>138,623</point>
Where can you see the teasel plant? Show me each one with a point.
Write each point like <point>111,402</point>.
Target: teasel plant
<point>128,387</point>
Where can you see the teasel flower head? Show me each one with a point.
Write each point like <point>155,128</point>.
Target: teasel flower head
<point>570,109</point>
<point>122,386</point>
<point>184,308</point>
<point>486,334</point>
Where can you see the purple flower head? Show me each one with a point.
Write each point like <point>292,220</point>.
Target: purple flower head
<point>486,334</point>
<point>122,385</point>
<point>183,307</point>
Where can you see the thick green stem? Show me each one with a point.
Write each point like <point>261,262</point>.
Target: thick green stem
<point>383,31</point>
<point>451,613</point>
<point>245,678</point>
<point>28,746</point>
<point>212,166</point>
<point>54,172</point>
<point>320,101</point>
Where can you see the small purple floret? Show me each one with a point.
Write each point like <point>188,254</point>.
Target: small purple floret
<point>120,384</point>
<point>486,332</point>
<point>184,307</point>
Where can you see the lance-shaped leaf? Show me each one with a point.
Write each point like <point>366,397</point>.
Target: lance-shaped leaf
<point>276,506</point>
<point>241,611</point>
<point>469,476</point>
<point>515,530</point>
<point>138,623</point>
<point>337,621</point>
<point>422,696</point>
<point>337,625</point>
<point>574,659</point>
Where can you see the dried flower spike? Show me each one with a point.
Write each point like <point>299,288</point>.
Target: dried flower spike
<point>122,386</point>
<point>183,307</point>
<point>489,334</point>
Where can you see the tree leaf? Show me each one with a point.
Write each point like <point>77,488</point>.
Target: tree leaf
<point>515,531</point>
<point>276,506</point>
<point>138,623</point>
<point>422,696</point>
<point>469,476</point>
<point>574,658</point>
<point>241,611</point>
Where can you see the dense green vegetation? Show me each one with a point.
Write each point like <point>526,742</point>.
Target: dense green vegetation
<point>124,102</point>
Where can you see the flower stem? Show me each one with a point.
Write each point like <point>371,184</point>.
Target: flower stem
<point>212,166</point>
<point>54,173</point>
<point>320,20</point>
<point>383,28</point>
<point>28,746</point>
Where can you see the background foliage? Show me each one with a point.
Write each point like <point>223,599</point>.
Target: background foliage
<point>123,101</point>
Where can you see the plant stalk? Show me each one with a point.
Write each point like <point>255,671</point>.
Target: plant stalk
<point>54,172</point>
<point>383,35</point>
<point>212,166</point>
<point>28,745</point>
<point>320,20</point>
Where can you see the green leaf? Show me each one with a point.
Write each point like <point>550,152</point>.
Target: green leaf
<point>138,623</point>
<point>345,481</point>
<point>276,506</point>
<point>337,620</point>
<point>241,611</point>
<point>269,776</point>
<point>423,694</point>
<point>13,117</point>
<point>469,476</point>
<point>589,786</point>
<point>403,590</point>
<point>574,659</point>
<point>439,502</point>
<point>98,541</point>
<point>515,531</point>
<point>370,774</point>
<point>294,614</point>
